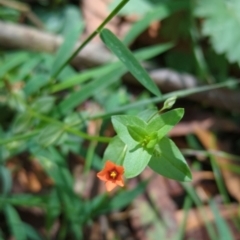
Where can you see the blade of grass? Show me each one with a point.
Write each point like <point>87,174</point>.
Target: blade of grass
<point>82,77</point>
<point>219,179</point>
<point>13,61</point>
<point>128,59</point>
<point>222,227</point>
<point>6,181</point>
<point>14,222</point>
<point>86,91</point>
<point>65,51</point>
<point>209,227</point>
<point>186,207</point>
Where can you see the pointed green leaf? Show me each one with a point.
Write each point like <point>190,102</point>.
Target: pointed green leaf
<point>165,122</point>
<point>151,144</point>
<point>224,231</point>
<point>170,162</point>
<point>22,122</point>
<point>65,51</point>
<point>44,104</point>
<point>127,58</point>
<point>137,133</point>
<point>14,222</point>
<point>5,181</point>
<point>120,123</point>
<point>51,134</point>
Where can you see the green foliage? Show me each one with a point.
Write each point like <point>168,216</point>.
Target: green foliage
<point>47,114</point>
<point>15,223</point>
<point>221,22</point>
<point>128,60</point>
<point>139,141</point>
<point>168,161</point>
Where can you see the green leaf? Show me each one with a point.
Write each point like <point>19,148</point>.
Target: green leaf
<point>88,90</point>
<point>115,151</point>
<point>27,68</point>
<point>142,54</point>
<point>12,61</point>
<point>83,77</point>
<point>65,51</point>
<point>136,158</point>
<point>169,161</point>
<point>25,200</point>
<point>151,144</point>
<point>22,123</point>
<point>5,180</point>
<point>31,232</point>
<point>43,104</point>
<point>165,122</point>
<point>51,134</point>
<point>221,23</point>
<point>35,83</point>
<point>127,58</point>
<point>137,133</point>
<point>120,123</point>
<point>14,222</point>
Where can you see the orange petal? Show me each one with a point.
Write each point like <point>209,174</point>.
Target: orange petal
<point>119,169</point>
<point>109,165</point>
<point>102,176</point>
<point>110,185</point>
<point>120,182</point>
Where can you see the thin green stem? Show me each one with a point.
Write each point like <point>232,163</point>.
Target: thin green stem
<point>100,27</point>
<point>19,137</point>
<point>178,94</point>
<point>67,128</point>
<point>89,156</point>
<point>219,180</point>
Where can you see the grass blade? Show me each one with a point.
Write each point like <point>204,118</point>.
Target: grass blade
<point>14,222</point>
<point>222,227</point>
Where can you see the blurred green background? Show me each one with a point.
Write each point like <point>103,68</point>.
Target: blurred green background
<point>55,127</point>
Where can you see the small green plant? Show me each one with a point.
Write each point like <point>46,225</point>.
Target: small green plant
<point>141,140</point>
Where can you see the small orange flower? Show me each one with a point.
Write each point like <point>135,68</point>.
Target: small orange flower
<point>112,174</point>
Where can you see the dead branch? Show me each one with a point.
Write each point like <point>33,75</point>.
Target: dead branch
<point>22,37</point>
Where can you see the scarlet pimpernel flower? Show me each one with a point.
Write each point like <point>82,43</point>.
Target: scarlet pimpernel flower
<point>112,174</point>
